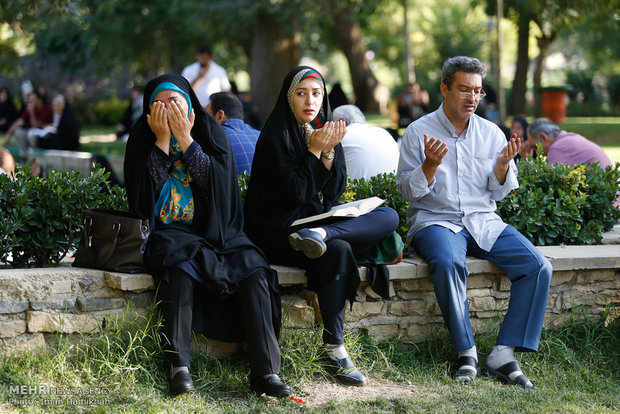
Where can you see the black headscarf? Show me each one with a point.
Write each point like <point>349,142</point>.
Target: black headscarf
<point>287,180</point>
<point>218,244</point>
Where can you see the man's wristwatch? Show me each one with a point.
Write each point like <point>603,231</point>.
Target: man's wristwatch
<point>328,155</point>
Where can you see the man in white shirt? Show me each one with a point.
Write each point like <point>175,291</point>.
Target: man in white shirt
<point>453,167</point>
<point>368,150</point>
<point>206,76</point>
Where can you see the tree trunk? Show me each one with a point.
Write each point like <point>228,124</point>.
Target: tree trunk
<point>272,56</point>
<point>370,96</point>
<point>544,42</point>
<point>519,84</point>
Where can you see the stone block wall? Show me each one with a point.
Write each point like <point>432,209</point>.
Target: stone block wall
<point>37,302</point>
<point>585,280</point>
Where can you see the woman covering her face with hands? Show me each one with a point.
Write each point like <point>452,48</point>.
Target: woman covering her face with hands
<point>179,173</point>
<point>299,171</point>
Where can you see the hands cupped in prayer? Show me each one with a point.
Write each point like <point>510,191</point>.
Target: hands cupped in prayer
<point>325,139</point>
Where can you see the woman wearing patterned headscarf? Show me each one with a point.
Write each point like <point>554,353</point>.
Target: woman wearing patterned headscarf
<point>299,171</point>
<point>179,173</point>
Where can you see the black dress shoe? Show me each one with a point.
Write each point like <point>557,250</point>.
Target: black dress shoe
<point>344,371</point>
<point>271,385</point>
<point>181,383</point>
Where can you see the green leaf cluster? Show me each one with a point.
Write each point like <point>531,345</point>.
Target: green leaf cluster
<point>383,186</point>
<point>559,204</point>
<point>42,217</point>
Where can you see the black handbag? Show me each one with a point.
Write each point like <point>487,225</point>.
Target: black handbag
<point>113,240</point>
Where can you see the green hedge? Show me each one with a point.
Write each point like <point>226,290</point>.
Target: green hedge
<point>555,204</point>
<point>42,218</point>
<point>558,204</point>
<point>383,186</point>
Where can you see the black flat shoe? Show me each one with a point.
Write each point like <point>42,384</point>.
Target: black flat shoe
<point>181,383</point>
<point>271,385</point>
<point>503,374</point>
<point>467,369</point>
<point>344,371</point>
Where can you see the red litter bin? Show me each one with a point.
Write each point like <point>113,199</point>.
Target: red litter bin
<point>553,104</point>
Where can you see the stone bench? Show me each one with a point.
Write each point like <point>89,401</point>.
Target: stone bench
<point>37,302</point>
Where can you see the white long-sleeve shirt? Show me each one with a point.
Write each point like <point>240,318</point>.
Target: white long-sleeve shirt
<point>368,151</point>
<point>464,191</point>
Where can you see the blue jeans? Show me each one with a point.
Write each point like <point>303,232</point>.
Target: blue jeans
<point>528,270</point>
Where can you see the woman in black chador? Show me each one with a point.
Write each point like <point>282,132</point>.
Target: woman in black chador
<point>179,172</point>
<point>299,171</point>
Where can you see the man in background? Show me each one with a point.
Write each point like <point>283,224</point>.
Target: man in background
<point>206,76</point>
<point>227,110</point>
<point>368,150</point>
<point>562,147</point>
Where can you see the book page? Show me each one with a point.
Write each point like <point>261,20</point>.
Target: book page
<point>361,206</point>
<point>352,209</point>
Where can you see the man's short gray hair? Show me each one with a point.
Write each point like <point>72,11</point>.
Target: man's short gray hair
<point>350,113</point>
<point>542,125</point>
<point>461,64</point>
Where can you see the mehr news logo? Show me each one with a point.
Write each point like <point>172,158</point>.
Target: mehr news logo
<point>77,396</point>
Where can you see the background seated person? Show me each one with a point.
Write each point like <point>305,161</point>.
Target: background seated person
<point>561,147</point>
<point>412,104</point>
<point>368,150</point>
<point>131,115</point>
<point>8,111</point>
<point>227,110</point>
<point>36,116</point>
<point>64,131</point>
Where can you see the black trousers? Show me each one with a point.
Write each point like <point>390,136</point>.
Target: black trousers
<point>253,302</point>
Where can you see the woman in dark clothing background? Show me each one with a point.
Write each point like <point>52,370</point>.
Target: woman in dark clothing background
<point>67,128</point>
<point>299,171</point>
<point>8,111</point>
<point>179,173</point>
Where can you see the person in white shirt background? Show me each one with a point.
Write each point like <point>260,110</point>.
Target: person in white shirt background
<point>453,167</point>
<point>368,150</point>
<point>206,76</point>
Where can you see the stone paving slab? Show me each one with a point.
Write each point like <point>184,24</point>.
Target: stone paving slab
<point>582,257</point>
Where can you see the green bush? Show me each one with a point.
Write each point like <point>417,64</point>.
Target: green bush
<point>42,218</point>
<point>383,186</point>
<point>109,112</point>
<point>559,204</point>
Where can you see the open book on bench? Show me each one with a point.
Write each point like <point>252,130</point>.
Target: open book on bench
<point>352,209</point>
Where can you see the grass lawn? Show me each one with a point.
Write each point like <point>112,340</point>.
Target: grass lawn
<point>603,131</point>
<point>576,371</point>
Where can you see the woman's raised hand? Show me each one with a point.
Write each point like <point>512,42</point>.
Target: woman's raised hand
<point>158,121</point>
<point>340,128</point>
<point>326,138</point>
<point>180,125</point>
